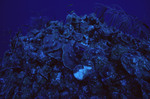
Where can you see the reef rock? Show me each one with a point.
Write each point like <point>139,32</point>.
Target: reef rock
<point>81,58</point>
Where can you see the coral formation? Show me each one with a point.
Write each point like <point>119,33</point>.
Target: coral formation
<point>82,58</point>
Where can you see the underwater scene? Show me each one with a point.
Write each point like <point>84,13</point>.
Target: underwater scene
<point>75,49</point>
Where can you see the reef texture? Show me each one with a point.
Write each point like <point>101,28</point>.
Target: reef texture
<point>81,59</point>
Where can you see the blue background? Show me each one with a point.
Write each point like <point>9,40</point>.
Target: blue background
<point>15,13</point>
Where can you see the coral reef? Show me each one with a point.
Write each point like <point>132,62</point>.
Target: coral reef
<point>82,58</point>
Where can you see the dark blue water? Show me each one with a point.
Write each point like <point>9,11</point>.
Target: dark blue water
<point>16,13</point>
